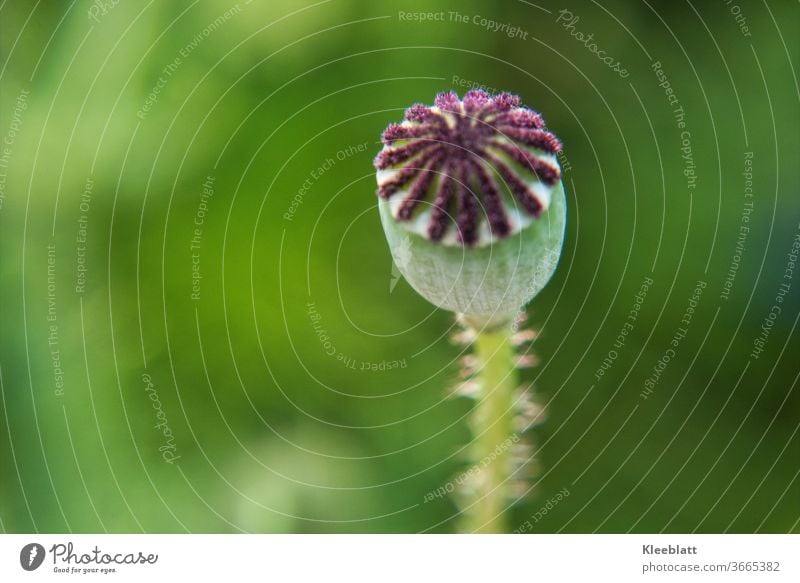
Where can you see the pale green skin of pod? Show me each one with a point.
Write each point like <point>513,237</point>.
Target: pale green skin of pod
<point>492,281</point>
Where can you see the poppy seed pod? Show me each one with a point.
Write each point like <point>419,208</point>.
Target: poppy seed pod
<point>472,203</point>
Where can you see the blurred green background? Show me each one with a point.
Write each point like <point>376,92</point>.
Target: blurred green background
<point>263,398</point>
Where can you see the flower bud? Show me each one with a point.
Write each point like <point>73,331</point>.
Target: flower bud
<point>472,203</point>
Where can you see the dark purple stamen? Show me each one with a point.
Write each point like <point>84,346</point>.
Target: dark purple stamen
<point>419,189</point>
<point>524,195</point>
<point>439,216</point>
<point>546,172</point>
<point>467,209</point>
<point>462,151</point>
<point>395,156</point>
<point>404,175</point>
<point>495,212</point>
<point>541,139</point>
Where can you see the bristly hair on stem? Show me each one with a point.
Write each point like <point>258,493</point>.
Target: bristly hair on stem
<point>501,457</point>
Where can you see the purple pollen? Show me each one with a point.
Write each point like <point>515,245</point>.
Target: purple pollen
<point>475,100</point>
<point>419,112</point>
<point>520,118</point>
<point>448,102</point>
<point>399,132</point>
<point>468,161</point>
<point>507,101</point>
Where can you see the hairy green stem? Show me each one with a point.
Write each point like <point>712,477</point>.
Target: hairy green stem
<point>493,431</point>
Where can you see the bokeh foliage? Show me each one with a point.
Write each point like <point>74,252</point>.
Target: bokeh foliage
<point>276,435</point>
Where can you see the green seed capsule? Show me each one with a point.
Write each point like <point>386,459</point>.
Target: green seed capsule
<point>472,203</point>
